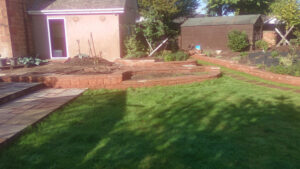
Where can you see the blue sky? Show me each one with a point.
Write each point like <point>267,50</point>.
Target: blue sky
<point>200,9</point>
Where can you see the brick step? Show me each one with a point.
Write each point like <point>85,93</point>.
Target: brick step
<point>12,91</point>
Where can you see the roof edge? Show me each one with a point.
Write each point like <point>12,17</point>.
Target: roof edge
<point>77,11</point>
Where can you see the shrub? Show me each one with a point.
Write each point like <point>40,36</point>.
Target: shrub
<point>261,66</point>
<point>208,53</point>
<point>261,44</point>
<point>293,70</point>
<point>238,41</point>
<point>244,54</point>
<point>236,58</point>
<point>274,54</point>
<point>177,56</point>
<point>134,48</point>
<point>285,61</point>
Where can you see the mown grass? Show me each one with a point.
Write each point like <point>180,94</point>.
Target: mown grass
<point>250,77</point>
<point>218,124</point>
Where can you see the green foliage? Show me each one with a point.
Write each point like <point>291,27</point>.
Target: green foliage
<point>261,66</point>
<point>296,41</point>
<point>208,53</point>
<point>274,54</point>
<point>287,11</point>
<point>244,54</point>
<point>28,61</point>
<point>238,41</point>
<point>239,7</point>
<point>286,61</point>
<point>134,47</point>
<point>174,56</point>
<point>169,9</point>
<point>236,58</point>
<point>153,28</point>
<point>159,15</point>
<point>261,44</point>
<point>292,69</point>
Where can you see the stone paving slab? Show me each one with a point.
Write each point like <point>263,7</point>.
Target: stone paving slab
<point>10,91</point>
<point>15,116</point>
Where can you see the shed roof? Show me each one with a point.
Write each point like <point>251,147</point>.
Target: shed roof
<point>75,5</point>
<point>222,20</point>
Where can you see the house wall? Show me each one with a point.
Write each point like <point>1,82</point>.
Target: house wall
<point>15,35</point>
<point>211,37</point>
<point>94,35</point>
<point>19,25</point>
<point>5,41</point>
<point>40,36</point>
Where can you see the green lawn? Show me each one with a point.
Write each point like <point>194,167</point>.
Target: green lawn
<point>218,124</point>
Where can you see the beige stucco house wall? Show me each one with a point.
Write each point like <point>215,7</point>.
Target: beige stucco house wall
<point>95,32</point>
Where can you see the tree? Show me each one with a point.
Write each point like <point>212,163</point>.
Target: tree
<point>288,11</point>
<point>169,9</point>
<point>239,7</point>
<point>159,15</point>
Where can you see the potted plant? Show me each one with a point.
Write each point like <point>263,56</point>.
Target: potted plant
<point>3,61</point>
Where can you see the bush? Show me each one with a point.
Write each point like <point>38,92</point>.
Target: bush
<point>285,61</point>
<point>208,53</point>
<point>293,70</point>
<point>261,44</point>
<point>274,54</point>
<point>177,56</point>
<point>134,48</point>
<point>238,41</point>
<point>244,54</point>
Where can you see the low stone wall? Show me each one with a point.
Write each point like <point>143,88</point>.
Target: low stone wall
<point>120,80</point>
<point>286,79</point>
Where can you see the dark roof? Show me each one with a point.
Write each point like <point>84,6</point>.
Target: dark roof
<point>39,5</point>
<point>222,20</point>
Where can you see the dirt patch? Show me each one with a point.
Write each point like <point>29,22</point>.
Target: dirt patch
<point>164,75</point>
<point>75,66</point>
<point>88,61</point>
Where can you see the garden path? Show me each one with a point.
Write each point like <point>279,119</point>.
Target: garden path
<point>19,113</point>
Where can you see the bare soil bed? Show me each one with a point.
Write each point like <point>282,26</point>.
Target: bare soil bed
<point>75,66</point>
<point>164,75</point>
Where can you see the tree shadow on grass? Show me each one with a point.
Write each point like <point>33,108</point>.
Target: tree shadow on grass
<point>188,132</point>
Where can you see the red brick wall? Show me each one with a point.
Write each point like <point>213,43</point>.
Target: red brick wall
<point>19,28</point>
<point>5,41</point>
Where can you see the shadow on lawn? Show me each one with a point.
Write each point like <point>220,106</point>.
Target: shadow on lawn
<point>189,132</point>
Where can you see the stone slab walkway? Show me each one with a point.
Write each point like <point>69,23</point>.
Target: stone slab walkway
<point>16,115</point>
<point>9,91</point>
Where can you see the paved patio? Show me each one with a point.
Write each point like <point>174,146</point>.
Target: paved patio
<point>16,115</point>
<point>9,91</point>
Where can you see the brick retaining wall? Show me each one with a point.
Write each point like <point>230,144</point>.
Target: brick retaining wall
<point>286,79</point>
<point>118,80</point>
